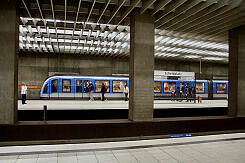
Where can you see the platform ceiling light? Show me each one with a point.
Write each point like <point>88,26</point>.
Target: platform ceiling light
<point>213,58</point>
<point>191,56</point>
<point>168,54</point>
<point>111,39</point>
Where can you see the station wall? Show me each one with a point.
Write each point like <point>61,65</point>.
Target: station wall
<point>34,69</point>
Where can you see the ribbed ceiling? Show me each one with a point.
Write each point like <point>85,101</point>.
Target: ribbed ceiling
<point>185,29</point>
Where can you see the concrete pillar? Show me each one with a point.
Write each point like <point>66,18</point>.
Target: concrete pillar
<point>237,72</point>
<point>141,65</point>
<point>9,45</point>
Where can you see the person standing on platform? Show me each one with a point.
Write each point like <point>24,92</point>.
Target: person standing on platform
<point>91,89</point>
<point>23,93</point>
<point>126,91</point>
<point>177,94</point>
<point>188,93</point>
<point>103,90</point>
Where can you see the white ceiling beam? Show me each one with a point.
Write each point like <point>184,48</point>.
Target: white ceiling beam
<point>146,4</point>
<point>171,8</point>
<point>198,15</point>
<point>128,10</point>
<point>116,9</point>
<point>52,6</point>
<point>164,23</point>
<point>159,5</point>
<point>215,14</point>
<point>90,11</point>
<point>221,23</point>
<point>74,27</point>
<point>103,10</point>
<point>180,11</point>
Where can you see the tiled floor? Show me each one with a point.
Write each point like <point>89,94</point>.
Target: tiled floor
<point>224,148</point>
<point>78,104</point>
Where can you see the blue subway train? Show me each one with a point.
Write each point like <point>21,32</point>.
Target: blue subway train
<point>65,87</point>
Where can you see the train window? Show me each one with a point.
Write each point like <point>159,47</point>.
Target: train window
<point>157,87</point>
<point>200,88</point>
<point>221,87</point>
<point>66,85</point>
<point>169,87</point>
<point>54,85</point>
<point>45,89</point>
<point>86,86</point>
<point>118,85</point>
<point>79,86</point>
<point>187,84</point>
<point>98,85</point>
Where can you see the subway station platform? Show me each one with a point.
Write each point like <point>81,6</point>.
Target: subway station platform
<point>92,110</point>
<point>221,148</point>
<point>91,105</point>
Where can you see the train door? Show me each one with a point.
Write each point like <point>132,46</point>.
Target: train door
<point>85,94</point>
<point>210,90</point>
<point>187,84</point>
<point>182,87</point>
<point>54,88</point>
<point>67,88</point>
<point>79,88</point>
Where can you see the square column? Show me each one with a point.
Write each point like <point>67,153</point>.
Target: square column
<point>237,72</point>
<point>9,45</point>
<point>141,65</point>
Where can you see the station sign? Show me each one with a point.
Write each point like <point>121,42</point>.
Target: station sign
<point>174,75</point>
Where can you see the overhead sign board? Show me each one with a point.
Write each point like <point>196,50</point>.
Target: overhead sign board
<point>174,75</point>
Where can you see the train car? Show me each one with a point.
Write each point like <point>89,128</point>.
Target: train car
<point>163,88</point>
<point>65,87</point>
<point>220,89</point>
<point>74,87</point>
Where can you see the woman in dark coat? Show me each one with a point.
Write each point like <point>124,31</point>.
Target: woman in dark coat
<point>103,90</point>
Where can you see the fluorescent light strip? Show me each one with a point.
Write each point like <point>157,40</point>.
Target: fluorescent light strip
<point>213,58</point>
<point>191,56</point>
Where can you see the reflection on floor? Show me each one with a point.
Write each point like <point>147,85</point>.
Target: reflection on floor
<point>76,104</point>
<point>213,148</point>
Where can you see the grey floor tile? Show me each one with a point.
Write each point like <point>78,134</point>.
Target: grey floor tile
<point>207,161</point>
<point>8,159</point>
<point>120,151</point>
<point>147,160</point>
<point>48,155</point>
<point>87,158</point>
<point>126,159</point>
<point>161,156</point>
<point>85,153</point>
<point>67,159</point>
<point>47,160</point>
<point>188,161</point>
<point>27,160</point>
<point>108,161</point>
<point>67,154</point>
<point>87,161</point>
<point>103,152</point>
<point>143,157</point>
<point>28,156</point>
<point>170,160</point>
<point>178,155</point>
<point>105,158</point>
